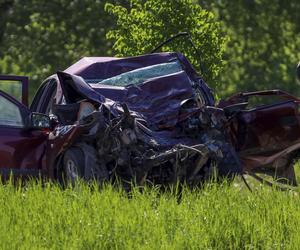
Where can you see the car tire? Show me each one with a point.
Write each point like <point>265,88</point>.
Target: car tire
<point>73,165</point>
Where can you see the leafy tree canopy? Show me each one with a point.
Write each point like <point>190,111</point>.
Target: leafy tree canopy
<point>142,26</point>
<point>264,45</point>
<point>41,37</point>
<point>259,51</point>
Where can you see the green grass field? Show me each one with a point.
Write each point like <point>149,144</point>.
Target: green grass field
<point>216,217</point>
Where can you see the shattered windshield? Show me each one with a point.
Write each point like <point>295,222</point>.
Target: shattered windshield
<point>141,75</point>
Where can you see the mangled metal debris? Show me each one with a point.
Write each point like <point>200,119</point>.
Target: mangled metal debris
<point>153,119</point>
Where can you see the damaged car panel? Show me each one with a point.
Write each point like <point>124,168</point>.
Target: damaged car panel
<point>267,137</point>
<point>158,129</point>
<point>23,136</point>
<point>153,119</point>
<point>97,69</point>
<point>139,131</point>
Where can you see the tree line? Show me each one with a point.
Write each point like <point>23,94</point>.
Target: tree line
<point>242,45</point>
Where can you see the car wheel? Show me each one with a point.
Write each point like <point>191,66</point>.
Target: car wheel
<point>73,165</point>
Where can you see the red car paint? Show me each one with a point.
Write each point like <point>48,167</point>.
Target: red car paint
<point>22,150</point>
<point>261,136</point>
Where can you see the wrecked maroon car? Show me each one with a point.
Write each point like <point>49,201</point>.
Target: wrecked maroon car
<point>148,118</point>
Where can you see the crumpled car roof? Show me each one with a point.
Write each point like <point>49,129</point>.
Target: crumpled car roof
<point>106,67</point>
<point>153,112</point>
<point>156,99</point>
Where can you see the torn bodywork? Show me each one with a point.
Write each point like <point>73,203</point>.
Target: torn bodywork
<point>152,119</point>
<point>266,136</point>
<point>125,148</point>
<point>148,118</point>
<point>157,129</point>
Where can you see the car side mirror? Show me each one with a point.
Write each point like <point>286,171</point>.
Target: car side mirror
<point>39,121</point>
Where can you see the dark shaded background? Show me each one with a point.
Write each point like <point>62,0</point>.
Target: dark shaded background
<point>37,38</point>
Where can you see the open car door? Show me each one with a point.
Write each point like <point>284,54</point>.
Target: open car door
<point>22,139</point>
<point>16,86</point>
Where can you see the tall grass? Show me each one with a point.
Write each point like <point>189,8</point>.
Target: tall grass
<point>215,217</point>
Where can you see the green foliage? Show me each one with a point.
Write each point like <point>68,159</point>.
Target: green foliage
<point>41,37</point>
<point>216,217</point>
<point>37,38</point>
<point>5,5</point>
<point>264,45</point>
<point>140,28</point>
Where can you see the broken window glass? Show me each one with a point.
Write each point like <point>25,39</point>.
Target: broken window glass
<point>141,75</point>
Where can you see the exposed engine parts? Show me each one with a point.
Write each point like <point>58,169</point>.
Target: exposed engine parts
<point>127,150</point>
